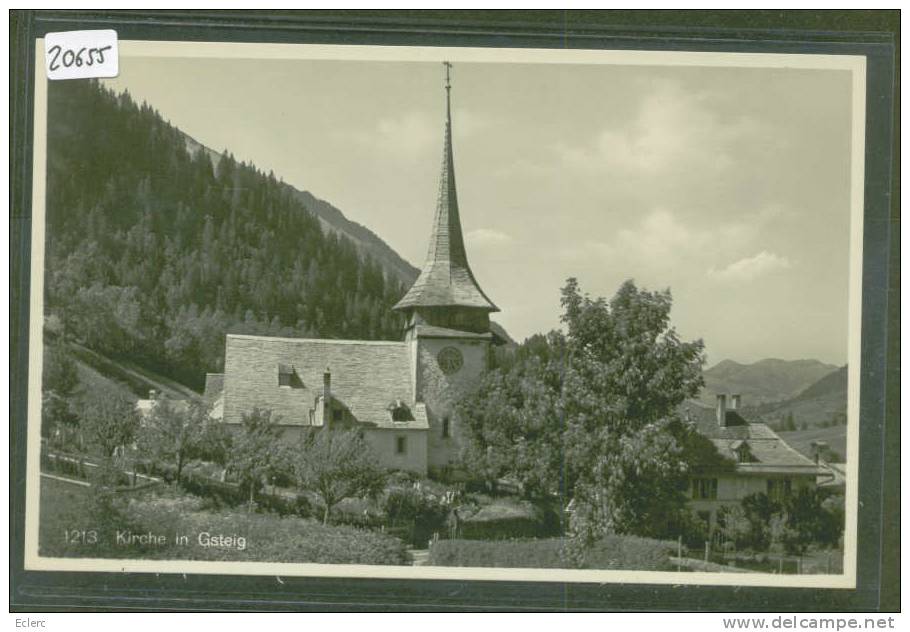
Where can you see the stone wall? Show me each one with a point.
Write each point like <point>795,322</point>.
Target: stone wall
<point>441,391</point>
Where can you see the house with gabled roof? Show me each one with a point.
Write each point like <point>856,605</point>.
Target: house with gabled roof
<point>400,395</point>
<point>756,460</point>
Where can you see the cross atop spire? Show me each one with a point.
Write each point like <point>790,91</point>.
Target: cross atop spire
<point>446,279</point>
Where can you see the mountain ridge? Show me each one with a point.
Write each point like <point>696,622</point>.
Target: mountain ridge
<point>333,219</point>
<point>764,381</point>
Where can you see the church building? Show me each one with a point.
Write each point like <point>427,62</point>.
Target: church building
<point>401,395</point>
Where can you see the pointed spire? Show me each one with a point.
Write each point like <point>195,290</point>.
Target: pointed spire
<point>446,278</point>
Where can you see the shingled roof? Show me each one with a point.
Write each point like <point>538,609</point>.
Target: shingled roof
<point>771,454</point>
<point>366,376</point>
<point>446,279</point>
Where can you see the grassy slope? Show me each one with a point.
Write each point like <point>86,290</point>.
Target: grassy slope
<point>137,379</point>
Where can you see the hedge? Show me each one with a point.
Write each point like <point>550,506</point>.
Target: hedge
<point>611,552</point>
<point>507,519</point>
<point>169,512</point>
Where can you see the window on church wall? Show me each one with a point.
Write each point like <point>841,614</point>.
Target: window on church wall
<point>285,373</point>
<point>401,445</point>
<point>445,428</point>
<point>337,414</point>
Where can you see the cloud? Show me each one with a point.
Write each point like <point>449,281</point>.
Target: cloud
<point>751,267</point>
<point>481,237</point>
<point>659,237</point>
<point>674,131</point>
<point>408,135</point>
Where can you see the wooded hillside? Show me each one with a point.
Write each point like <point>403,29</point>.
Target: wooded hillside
<point>154,254</point>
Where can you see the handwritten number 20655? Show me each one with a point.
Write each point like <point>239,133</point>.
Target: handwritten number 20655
<point>79,58</point>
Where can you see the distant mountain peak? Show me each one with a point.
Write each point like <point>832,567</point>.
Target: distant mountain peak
<point>764,381</point>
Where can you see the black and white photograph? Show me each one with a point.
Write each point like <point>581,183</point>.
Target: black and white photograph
<point>404,312</point>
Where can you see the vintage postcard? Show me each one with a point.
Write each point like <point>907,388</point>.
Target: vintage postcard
<point>452,313</point>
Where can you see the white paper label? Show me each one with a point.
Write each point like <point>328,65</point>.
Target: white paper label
<point>81,54</point>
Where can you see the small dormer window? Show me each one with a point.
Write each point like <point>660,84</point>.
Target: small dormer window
<point>743,452</point>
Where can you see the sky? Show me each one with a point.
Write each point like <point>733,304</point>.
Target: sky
<point>730,186</point>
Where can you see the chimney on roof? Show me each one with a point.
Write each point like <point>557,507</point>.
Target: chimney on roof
<point>735,401</point>
<point>818,447</point>
<point>722,410</point>
<point>326,396</point>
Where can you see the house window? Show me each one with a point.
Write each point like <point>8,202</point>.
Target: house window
<point>445,427</point>
<point>337,414</point>
<point>704,488</point>
<point>401,445</point>
<point>779,488</point>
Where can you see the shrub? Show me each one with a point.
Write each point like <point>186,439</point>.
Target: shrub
<point>72,467</point>
<point>169,512</point>
<point>609,552</point>
<point>628,552</point>
<point>417,514</point>
<point>508,519</point>
<point>267,537</point>
<point>500,553</point>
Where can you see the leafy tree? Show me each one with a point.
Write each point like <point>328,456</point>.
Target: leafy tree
<point>215,444</point>
<point>759,509</point>
<point>809,521</point>
<point>591,414</point>
<point>60,379</point>
<point>801,519</point>
<point>337,464</point>
<point>513,422</point>
<point>109,420</point>
<point>628,373</point>
<point>735,526</point>
<point>256,451</point>
<point>173,432</point>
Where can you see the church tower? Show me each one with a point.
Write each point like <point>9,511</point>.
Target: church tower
<point>447,316</point>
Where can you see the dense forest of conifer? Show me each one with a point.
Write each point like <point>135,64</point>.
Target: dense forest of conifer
<point>154,253</point>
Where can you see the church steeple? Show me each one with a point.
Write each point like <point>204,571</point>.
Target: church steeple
<point>446,280</point>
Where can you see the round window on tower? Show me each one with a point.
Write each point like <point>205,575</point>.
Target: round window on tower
<point>450,360</point>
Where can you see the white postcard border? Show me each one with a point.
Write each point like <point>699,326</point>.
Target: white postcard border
<point>263,51</point>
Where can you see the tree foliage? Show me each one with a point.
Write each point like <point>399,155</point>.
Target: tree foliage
<point>156,250</point>
<point>59,382</point>
<point>256,452</point>
<point>174,432</point>
<point>795,522</point>
<point>590,414</point>
<point>109,420</point>
<point>337,464</point>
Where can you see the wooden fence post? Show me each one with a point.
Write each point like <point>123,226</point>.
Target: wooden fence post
<point>707,549</point>
<point>679,554</point>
